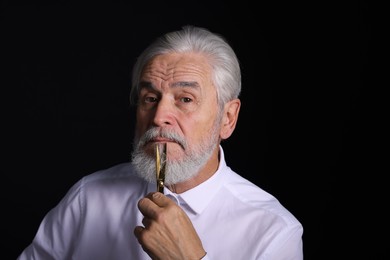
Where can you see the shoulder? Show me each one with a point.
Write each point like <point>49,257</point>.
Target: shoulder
<point>118,171</point>
<point>255,199</point>
<point>120,177</point>
<point>265,213</point>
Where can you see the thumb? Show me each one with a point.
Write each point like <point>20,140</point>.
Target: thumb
<point>160,199</point>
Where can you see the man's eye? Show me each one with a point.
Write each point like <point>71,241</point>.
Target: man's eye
<point>150,99</point>
<point>186,99</point>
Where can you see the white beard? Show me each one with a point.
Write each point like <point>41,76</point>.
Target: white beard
<point>176,171</point>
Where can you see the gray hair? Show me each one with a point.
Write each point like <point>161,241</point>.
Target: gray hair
<point>226,69</point>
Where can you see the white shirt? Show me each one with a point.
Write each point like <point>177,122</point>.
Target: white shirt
<point>234,218</point>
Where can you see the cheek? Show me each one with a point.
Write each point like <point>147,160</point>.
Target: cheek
<point>143,116</point>
<point>141,122</point>
<point>199,129</point>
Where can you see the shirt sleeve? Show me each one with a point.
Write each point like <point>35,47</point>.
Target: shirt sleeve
<point>56,234</point>
<point>288,246</point>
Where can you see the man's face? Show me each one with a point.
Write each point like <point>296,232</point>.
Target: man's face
<point>177,103</point>
<point>177,94</point>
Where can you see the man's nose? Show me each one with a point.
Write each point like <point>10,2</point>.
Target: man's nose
<point>164,112</point>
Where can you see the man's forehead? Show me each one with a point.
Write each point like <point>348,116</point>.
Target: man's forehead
<point>180,70</point>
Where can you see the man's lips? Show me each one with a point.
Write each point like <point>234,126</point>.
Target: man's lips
<point>164,140</point>
<point>161,140</point>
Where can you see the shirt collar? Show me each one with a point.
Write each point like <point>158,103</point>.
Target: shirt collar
<point>200,196</point>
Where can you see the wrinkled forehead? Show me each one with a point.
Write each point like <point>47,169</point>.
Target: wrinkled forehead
<point>190,67</point>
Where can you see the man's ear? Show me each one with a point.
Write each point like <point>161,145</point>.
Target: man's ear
<point>230,117</point>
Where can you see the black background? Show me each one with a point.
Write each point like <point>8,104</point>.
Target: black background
<point>304,132</point>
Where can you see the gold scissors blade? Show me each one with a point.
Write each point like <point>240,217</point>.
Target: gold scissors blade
<point>161,159</point>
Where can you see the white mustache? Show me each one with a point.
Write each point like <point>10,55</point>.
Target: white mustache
<point>156,132</point>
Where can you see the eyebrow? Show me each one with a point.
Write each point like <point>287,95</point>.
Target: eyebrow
<point>192,84</point>
<point>149,85</point>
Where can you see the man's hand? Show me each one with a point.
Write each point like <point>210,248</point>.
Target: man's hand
<point>168,232</point>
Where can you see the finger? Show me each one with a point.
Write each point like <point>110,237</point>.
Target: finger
<point>146,222</point>
<point>138,232</point>
<point>148,208</point>
<point>143,236</point>
<point>160,199</point>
